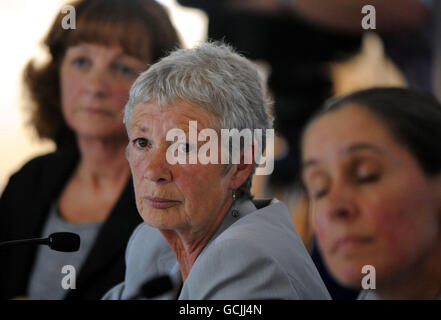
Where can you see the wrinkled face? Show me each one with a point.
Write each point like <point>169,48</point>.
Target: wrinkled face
<point>174,196</point>
<point>95,83</point>
<point>371,202</point>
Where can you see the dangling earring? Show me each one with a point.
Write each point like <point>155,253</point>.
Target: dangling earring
<point>234,211</point>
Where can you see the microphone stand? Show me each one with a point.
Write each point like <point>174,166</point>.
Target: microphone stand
<point>24,241</point>
<point>58,241</point>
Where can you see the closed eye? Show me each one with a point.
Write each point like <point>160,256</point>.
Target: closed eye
<point>368,178</point>
<point>320,193</point>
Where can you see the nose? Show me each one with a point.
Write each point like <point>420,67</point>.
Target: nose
<point>341,204</point>
<point>157,168</point>
<point>98,81</point>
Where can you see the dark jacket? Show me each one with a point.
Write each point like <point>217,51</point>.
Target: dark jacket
<point>24,207</point>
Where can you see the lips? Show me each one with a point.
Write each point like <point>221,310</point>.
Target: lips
<point>349,244</point>
<point>160,203</point>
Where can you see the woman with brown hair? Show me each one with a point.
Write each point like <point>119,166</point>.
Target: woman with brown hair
<point>85,185</point>
<point>372,170</point>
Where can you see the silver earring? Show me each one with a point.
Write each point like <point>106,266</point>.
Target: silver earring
<point>234,211</point>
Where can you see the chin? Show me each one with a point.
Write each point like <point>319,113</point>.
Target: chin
<point>156,220</point>
<point>349,280</point>
<point>348,275</point>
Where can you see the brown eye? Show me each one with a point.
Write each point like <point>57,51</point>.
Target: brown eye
<point>141,142</point>
<point>185,147</point>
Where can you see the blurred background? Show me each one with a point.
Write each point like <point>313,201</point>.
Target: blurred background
<point>28,21</point>
<point>305,57</point>
<point>306,54</point>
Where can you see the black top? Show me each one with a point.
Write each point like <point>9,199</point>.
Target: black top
<point>24,206</point>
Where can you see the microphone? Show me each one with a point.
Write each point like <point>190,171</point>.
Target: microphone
<point>59,241</point>
<point>154,287</point>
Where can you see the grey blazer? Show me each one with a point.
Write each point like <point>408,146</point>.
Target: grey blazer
<point>254,254</point>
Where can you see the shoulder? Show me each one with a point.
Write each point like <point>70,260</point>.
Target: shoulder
<point>258,257</point>
<point>37,164</point>
<point>43,165</point>
<point>148,255</point>
<point>28,177</point>
<point>268,230</point>
<point>33,185</point>
<point>237,269</point>
<point>147,239</point>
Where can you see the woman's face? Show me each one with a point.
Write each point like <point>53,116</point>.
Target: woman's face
<point>181,197</point>
<point>371,202</point>
<point>95,83</point>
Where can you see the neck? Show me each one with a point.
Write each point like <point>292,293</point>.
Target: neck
<point>102,160</point>
<point>188,244</point>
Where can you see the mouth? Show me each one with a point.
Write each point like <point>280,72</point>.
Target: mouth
<point>98,111</point>
<point>160,203</point>
<point>350,244</point>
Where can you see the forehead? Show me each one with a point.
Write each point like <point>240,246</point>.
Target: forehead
<point>95,48</point>
<point>148,116</point>
<point>113,29</point>
<point>339,129</point>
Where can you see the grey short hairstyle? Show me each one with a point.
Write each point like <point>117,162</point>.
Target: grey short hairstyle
<point>214,77</point>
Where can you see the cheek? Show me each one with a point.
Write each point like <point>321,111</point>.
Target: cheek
<point>136,168</point>
<point>71,88</point>
<point>201,185</point>
<point>119,95</point>
<point>404,225</point>
<point>137,172</point>
<point>395,215</point>
<point>322,226</point>
<point>194,181</point>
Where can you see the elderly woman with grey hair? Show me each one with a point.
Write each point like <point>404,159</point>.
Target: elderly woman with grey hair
<point>223,244</point>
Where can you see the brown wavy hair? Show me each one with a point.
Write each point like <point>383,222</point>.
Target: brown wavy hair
<point>141,27</point>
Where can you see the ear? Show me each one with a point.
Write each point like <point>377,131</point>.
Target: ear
<point>240,172</point>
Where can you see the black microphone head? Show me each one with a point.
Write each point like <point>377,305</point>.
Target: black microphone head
<point>156,286</point>
<point>64,241</point>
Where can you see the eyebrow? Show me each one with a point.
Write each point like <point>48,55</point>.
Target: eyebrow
<point>140,127</point>
<point>362,146</point>
<point>351,149</point>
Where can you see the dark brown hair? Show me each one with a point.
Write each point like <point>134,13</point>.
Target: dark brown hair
<point>413,117</point>
<point>141,27</point>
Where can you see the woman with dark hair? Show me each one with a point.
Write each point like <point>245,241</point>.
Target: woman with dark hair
<point>372,170</point>
<point>85,185</point>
